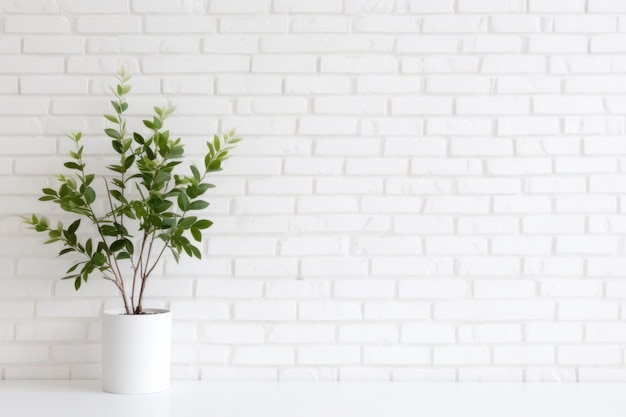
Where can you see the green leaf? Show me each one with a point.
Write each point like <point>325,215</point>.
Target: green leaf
<point>99,259</point>
<point>198,205</point>
<point>195,251</point>
<point>138,138</point>
<point>73,227</point>
<point>203,224</point>
<point>122,255</point>
<point>197,235</point>
<point>118,245</point>
<point>112,133</point>
<point>77,283</point>
<point>90,195</point>
<point>117,146</point>
<point>149,124</point>
<point>108,230</point>
<point>183,202</point>
<point>88,247</point>
<point>72,165</point>
<point>111,118</point>
<point>186,222</point>
<point>49,191</point>
<point>195,171</point>
<point>89,179</point>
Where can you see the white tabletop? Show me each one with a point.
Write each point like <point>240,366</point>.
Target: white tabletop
<point>316,399</point>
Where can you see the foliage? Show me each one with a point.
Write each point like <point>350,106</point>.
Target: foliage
<point>150,206</point>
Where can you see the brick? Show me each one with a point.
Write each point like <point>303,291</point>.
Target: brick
<point>554,332</point>
<point>586,245</point>
<point>500,289</point>
<point>606,6</point>
<point>358,106</point>
<point>363,288</point>
<point>491,225</point>
<point>349,185</point>
<point>460,355</point>
<point>605,332</point>
<point>388,245</point>
<point>108,24</point>
<point>427,44</point>
<point>385,24</point>
<point>180,24</point>
<point>528,84</point>
<point>396,355</point>
<point>232,334</point>
<point>553,266</point>
<point>556,6</point>
<point>481,147</point>
<point>513,64</point>
<point>389,310</point>
<point>194,64</point>
<point>494,310</point>
<point>328,355</point>
<point>553,224</point>
<point>360,64</point>
<point>297,289</point>
<point>458,84</point>
<point>317,85</point>
<point>594,125</point>
<point>521,204</point>
<point>264,310</point>
<point>421,106</point>
<point>329,310</point>
<point>320,23</point>
<point>411,266</point>
<point>50,331</point>
<point>321,204</point>
<point>201,310</point>
<point>492,44</point>
<point>347,266</point>
<point>515,23</point>
<point>263,355</point>
<point>521,245</point>
<point>301,334</point>
<point>492,6</point>
<point>497,266</point>
<point>23,354</point>
<point>427,333</point>
<point>456,205</point>
<point>588,310</point>
<point>454,24</point>
<point>228,288</point>
<point>239,6</point>
<point>262,267</point>
<point>36,24</point>
<point>458,126</point>
<point>368,333</point>
<point>256,24</point>
<point>588,355</point>
<point>482,374</point>
<point>426,6</point>
<point>524,355</point>
<point>490,333</point>
<point>253,84</point>
<point>278,64</point>
<point>457,245</point>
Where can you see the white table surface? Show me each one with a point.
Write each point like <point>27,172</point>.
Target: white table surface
<point>327,399</point>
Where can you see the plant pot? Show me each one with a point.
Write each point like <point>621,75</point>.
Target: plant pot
<point>136,351</point>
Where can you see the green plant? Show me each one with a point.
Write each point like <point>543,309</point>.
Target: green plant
<point>149,203</point>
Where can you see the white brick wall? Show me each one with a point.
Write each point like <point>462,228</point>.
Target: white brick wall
<point>427,190</point>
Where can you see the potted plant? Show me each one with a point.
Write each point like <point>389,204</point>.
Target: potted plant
<point>146,208</point>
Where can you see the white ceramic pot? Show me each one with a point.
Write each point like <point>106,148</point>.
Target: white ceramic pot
<point>136,351</point>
